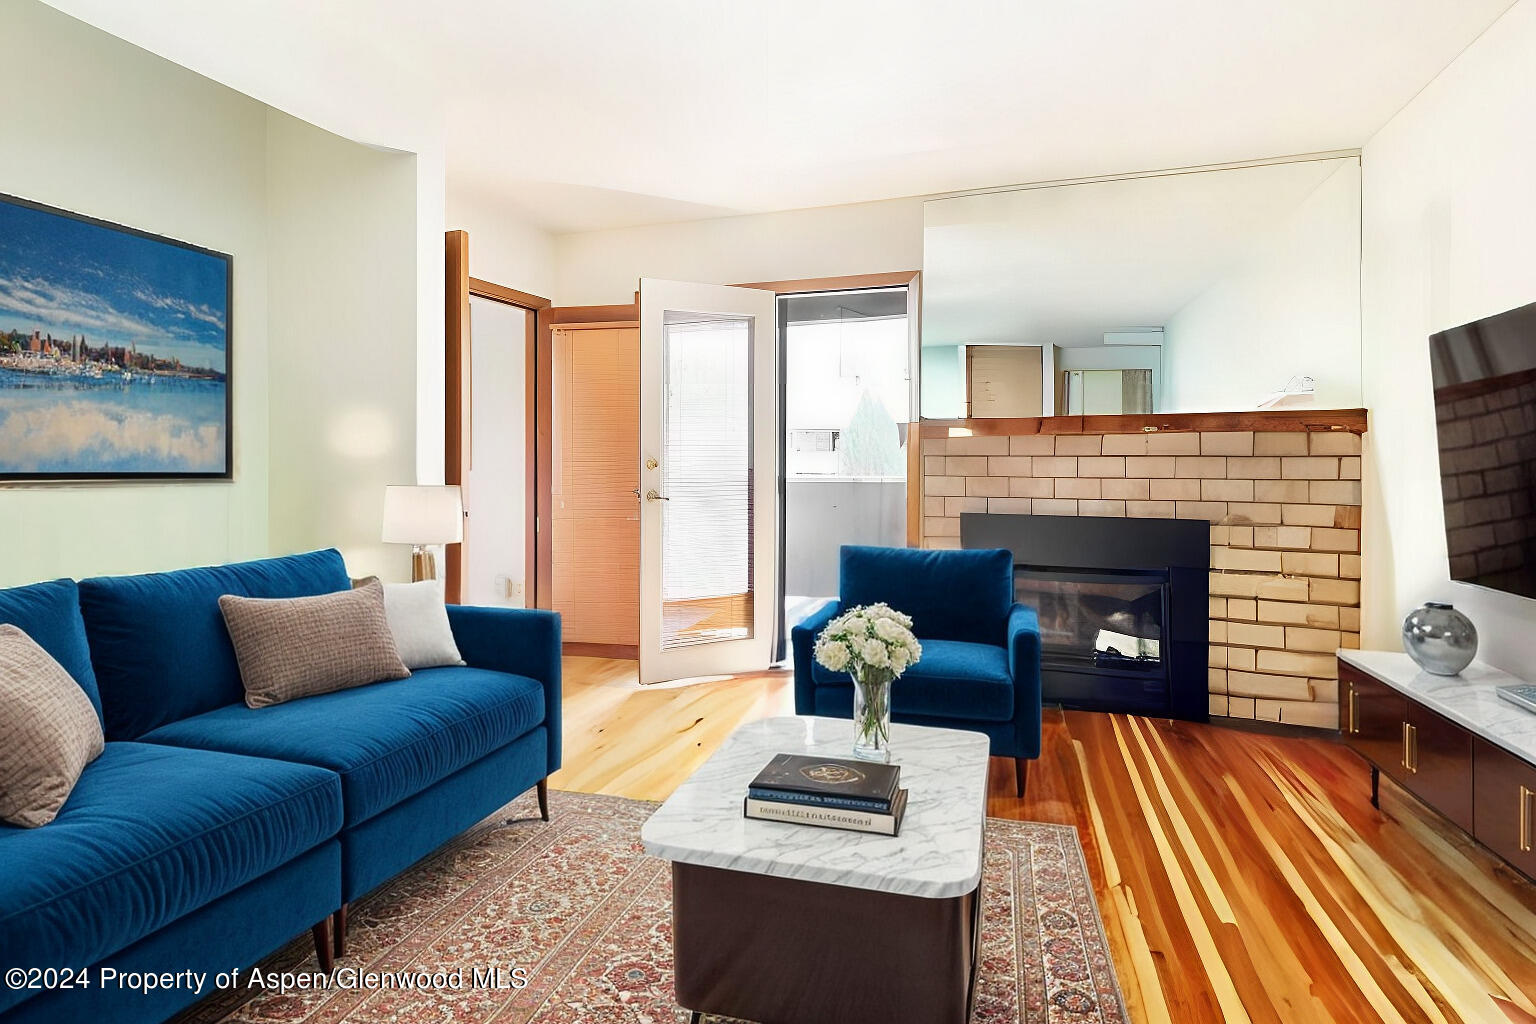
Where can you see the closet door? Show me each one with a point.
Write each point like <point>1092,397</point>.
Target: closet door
<point>594,479</point>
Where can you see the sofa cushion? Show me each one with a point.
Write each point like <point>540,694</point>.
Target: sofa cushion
<point>50,614</point>
<point>953,679</point>
<point>387,741</point>
<point>158,643</point>
<point>951,595</point>
<point>49,731</point>
<point>149,834</point>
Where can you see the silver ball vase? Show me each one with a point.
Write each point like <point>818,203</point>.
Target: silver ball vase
<point>1441,639</point>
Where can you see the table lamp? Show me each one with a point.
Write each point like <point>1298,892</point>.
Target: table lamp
<point>423,515</point>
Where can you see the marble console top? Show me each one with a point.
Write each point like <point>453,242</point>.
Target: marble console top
<point>1466,699</point>
<point>937,855</point>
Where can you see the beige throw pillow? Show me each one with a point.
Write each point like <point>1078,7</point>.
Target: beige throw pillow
<point>302,646</point>
<point>49,732</point>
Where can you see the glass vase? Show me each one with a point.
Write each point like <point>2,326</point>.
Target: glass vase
<point>872,715</point>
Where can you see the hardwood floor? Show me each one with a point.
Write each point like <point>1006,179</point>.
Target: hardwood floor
<point>1242,876</point>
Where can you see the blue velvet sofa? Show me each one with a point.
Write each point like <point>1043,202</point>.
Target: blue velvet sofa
<point>980,668</point>
<point>208,834</point>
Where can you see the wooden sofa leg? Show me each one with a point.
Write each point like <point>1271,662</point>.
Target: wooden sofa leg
<point>322,933</point>
<point>544,799</point>
<point>1021,773</point>
<point>339,927</point>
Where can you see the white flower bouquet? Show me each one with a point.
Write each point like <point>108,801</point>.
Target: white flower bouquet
<point>873,644</point>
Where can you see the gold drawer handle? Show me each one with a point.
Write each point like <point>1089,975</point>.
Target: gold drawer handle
<point>1410,748</point>
<point>1354,710</point>
<point>1525,819</point>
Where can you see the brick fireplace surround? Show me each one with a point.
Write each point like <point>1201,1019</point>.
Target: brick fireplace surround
<point>1281,491</point>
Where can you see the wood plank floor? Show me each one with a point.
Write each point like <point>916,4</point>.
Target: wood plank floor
<point>1242,876</point>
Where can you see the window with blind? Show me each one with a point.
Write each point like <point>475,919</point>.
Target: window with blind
<point>707,586</point>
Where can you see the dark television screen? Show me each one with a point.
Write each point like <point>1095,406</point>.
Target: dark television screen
<point>1485,415</point>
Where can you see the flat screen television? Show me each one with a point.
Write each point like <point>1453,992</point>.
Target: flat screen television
<point>1485,416</point>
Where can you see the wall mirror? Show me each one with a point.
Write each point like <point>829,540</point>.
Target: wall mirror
<point>1197,291</point>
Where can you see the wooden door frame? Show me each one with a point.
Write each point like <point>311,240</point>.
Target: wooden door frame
<point>459,373</point>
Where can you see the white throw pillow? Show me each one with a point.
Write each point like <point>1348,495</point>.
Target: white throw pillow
<point>419,619</point>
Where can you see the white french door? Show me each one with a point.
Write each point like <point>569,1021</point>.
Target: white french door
<point>708,480</point>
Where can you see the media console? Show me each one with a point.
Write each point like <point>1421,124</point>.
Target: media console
<point>1451,741</point>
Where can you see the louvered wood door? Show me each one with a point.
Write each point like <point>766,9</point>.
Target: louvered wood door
<point>595,540</point>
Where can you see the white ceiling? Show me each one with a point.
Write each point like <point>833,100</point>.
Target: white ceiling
<point>1061,266</point>
<point>601,113</point>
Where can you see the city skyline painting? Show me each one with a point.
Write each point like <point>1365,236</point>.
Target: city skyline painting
<point>114,351</point>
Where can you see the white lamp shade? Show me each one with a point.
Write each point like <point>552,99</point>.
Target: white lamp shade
<point>423,515</point>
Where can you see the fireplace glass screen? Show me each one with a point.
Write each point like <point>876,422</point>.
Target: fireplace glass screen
<point>1096,622</point>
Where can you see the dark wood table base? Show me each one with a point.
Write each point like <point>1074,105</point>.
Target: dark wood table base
<point>783,951</point>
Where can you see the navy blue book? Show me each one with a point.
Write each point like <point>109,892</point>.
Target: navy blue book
<point>827,782</point>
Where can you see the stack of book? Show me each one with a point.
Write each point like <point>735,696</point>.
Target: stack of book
<point>830,793</point>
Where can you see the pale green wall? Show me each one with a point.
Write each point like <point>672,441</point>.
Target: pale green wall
<point>943,382</point>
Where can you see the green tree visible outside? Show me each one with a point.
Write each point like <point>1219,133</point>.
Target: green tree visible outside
<point>871,446</point>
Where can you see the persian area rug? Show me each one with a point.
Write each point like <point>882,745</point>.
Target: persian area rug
<point>570,923</point>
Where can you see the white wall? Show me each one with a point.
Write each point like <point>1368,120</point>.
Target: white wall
<point>1293,308</point>
<point>504,247</point>
<point>600,267</point>
<point>1450,214</point>
<point>497,492</point>
<point>342,314</point>
<point>99,127</point>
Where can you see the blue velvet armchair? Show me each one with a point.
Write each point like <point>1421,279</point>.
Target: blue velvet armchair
<point>980,668</point>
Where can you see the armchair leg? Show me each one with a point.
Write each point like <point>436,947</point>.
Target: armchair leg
<point>1021,773</point>
<point>339,926</point>
<point>544,799</point>
<point>322,933</point>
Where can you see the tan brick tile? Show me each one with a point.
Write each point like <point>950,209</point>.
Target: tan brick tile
<point>1274,442</point>
<point>1240,658</point>
<point>1350,641</point>
<point>1313,714</point>
<point>1283,588</point>
<point>1029,487</point>
<point>1200,466</point>
<point>1329,591</point>
<point>1256,684</point>
<point>1281,490</point>
<point>990,445</point>
<point>944,485</point>
<point>1309,563</point>
<point>1057,466</point>
<point>1127,490</point>
<point>1215,657</point>
<point>1325,691</point>
<point>1216,680</point>
<point>933,465</point>
<point>1163,489</point>
<point>933,446</point>
<point>1230,442</point>
<point>1015,506</point>
<point>955,506</point>
<point>1150,466</point>
<point>1242,609</point>
<point>1336,540</point>
<point>1032,444</point>
<point>1240,536</point>
<point>1334,442</point>
<point>1173,443</point>
<point>986,486</point>
<point>1101,465</point>
<point>1010,465</point>
<point>1252,634</point>
<point>942,543</point>
<point>1221,536</point>
<point>1232,584</point>
<point>1244,560</point>
<point>1218,631</point>
<point>1302,638</point>
<point>965,465</point>
<point>1240,707</point>
<point>1307,515</point>
<point>1294,663</point>
<point>1309,467</point>
<point>1125,444</point>
<point>1150,509</point>
<point>1335,492</point>
<point>1346,517</point>
<point>1214,511</point>
<point>1218,706</point>
<point>1256,512</point>
<point>1101,507</point>
<point>941,526</point>
<point>1349,566</point>
<point>1077,487</point>
<point>1349,468</point>
<point>1289,613</point>
<point>1265,467</point>
<point>1349,619</point>
<point>1055,506</point>
<point>1216,608</point>
<point>1079,444</point>
<point>1226,490</point>
<point>933,505</point>
<point>1292,537</point>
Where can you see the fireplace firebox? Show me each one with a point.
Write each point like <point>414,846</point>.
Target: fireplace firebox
<point>1122,606</point>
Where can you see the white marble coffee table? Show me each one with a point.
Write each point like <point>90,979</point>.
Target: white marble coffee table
<point>774,922</point>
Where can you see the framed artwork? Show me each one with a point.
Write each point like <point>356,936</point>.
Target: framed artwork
<point>114,351</point>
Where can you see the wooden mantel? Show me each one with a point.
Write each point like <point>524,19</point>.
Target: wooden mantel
<point>1350,420</point>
